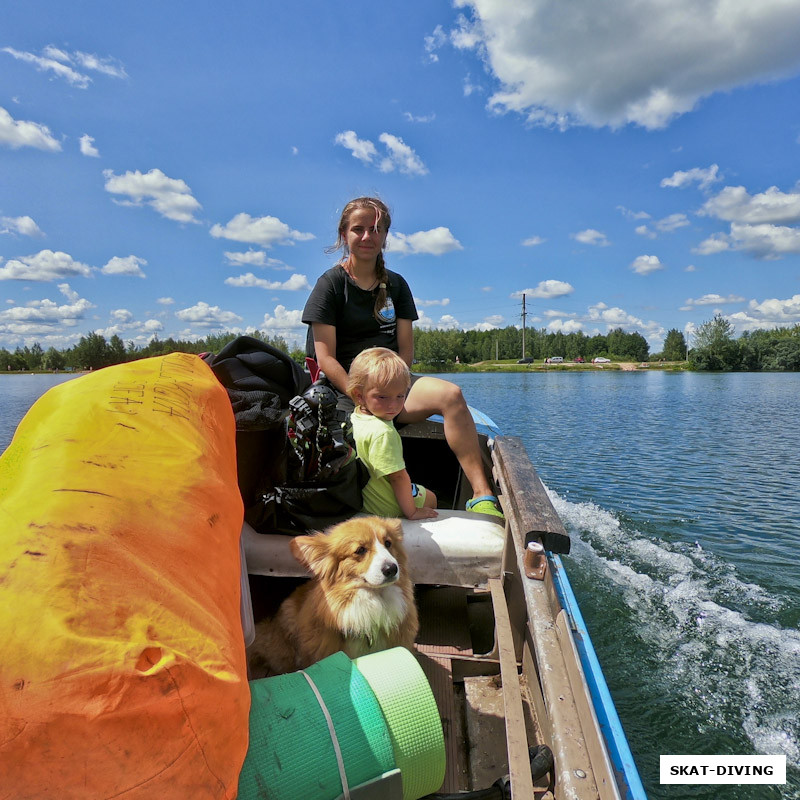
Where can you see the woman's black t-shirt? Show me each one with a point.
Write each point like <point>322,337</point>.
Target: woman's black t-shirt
<point>337,300</point>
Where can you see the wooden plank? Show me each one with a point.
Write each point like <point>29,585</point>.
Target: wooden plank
<point>525,499</point>
<point>516,735</point>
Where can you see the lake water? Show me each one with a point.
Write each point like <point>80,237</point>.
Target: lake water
<point>681,492</point>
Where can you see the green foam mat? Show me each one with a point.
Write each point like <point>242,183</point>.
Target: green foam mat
<point>291,754</point>
<point>412,716</point>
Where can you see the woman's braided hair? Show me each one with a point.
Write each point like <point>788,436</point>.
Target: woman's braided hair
<point>382,217</point>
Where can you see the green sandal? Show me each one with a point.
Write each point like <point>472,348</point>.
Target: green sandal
<point>485,504</point>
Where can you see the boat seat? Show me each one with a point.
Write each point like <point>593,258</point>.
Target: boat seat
<point>457,548</point>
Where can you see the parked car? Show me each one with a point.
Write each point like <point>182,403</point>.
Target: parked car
<point>601,360</point>
<point>555,360</point>
<point>579,360</point>
<point>527,360</point>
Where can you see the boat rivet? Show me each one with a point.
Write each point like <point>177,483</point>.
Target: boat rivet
<point>579,773</point>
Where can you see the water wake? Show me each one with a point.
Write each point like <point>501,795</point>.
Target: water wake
<point>711,639</point>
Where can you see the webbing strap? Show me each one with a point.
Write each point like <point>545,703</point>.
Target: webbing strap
<point>332,732</point>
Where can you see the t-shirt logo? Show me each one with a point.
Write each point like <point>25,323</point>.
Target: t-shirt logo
<point>387,313</point>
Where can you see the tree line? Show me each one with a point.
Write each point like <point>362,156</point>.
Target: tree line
<point>714,348</point>
<point>93,351</point>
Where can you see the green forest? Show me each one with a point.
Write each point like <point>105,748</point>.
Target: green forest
<point>714,346</point>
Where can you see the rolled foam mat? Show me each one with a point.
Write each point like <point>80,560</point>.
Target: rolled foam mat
<point>291,754</point>
<point>412,716</point>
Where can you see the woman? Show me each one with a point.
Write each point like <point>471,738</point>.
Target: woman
<point>358,304</point>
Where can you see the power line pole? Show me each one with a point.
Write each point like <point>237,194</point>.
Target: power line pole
<point>523,326</point>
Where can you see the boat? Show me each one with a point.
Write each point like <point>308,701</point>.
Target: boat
<point>502,640</point>
<point>157,699</point>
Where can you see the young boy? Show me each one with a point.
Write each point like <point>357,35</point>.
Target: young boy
<point>378,383</point>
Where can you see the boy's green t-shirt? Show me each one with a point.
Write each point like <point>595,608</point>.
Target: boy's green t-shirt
<point>379,446</point>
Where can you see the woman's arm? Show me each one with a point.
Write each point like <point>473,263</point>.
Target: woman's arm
<point>405,340</point>
<point>325,347</point>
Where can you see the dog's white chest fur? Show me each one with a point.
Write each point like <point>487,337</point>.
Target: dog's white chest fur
<point>373,614</point>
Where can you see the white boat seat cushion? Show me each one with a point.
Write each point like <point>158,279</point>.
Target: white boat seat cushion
<point>457,548</point>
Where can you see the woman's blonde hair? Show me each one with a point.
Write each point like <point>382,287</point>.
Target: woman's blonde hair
<point>382,217</point>
<point>376,366</point>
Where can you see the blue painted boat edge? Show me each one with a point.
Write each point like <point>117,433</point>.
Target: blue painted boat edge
<point>610,725</point>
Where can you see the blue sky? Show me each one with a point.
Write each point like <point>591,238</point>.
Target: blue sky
<point>174,169</point>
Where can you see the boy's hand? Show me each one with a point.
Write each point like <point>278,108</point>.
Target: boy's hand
<point>424,513</point>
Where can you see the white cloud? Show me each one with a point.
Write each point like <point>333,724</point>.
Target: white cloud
<point>565,326</point>
<point>264,231</point>
<point>42,317</point>
<point>626,212</point>
<point>644,265</point>
<point>666,225</point>
<point>672,223</point>
<point>25,226</point>
<point>47,63</point>
<point>448,322</point>
<point>591,236</point>
<point>703,177</point>
<point>401,156</point>
<point>87,146</point>
<point>445,301</point>
<point>45,265</point>
<point>121,315</point>
<point>207,316</point>
<point>735,204</point>
<point>436,242</point>
<point>765,241</point>
<point>422,119</point>
<point>547,290</point>
<point>533,241</point>
<point>61,64</point>
<point>170,197</point>
<point>398,154</point>
<point>615,317</point>
<point>21,133</point>
<point>716,243</point>
<point>641,63</point>
<point>165,301</point>
<point>769,313</point>
<point>254,258</point>
<point>283,321</point>
<point>106,66</point>
<point>294,284</point>
<point>362,149</point>
<point>434,42</point>
<point>491,323</point>
<point>714,300</point>
<point>130,265</point>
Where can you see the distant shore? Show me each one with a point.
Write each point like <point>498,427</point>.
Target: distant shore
<point>480,366</point>
<point>542,366</point>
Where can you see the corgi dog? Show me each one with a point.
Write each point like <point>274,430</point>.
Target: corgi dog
<point>359,600</point>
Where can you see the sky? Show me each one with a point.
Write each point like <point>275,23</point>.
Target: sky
<point>179,169</point>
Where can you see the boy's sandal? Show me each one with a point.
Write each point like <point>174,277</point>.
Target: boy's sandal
<point>485,504</point>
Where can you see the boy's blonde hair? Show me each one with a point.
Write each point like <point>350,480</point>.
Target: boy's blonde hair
<point>376,366</point>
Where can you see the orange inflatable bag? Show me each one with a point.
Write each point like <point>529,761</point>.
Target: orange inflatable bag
<point>122,663</point>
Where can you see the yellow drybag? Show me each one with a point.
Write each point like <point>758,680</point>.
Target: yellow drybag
<point>122,662</point>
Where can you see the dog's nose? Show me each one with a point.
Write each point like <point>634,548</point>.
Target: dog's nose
<point>389,569</point>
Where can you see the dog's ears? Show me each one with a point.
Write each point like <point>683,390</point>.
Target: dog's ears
<point>310,551</point>
<point>396,527</point>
